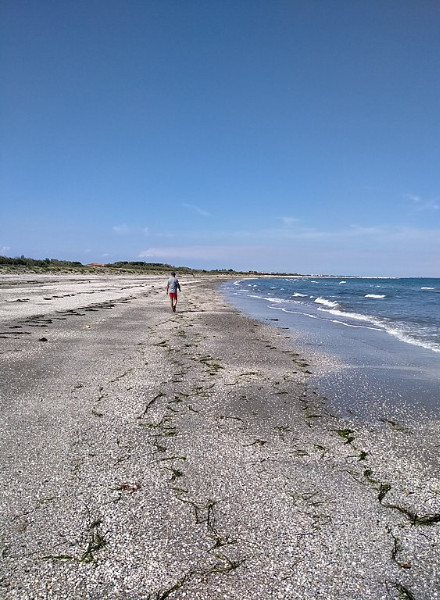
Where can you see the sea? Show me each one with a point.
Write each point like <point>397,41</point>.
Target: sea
<point>380,336</point>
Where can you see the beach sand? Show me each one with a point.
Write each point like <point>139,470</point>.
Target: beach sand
<point>151,455</point>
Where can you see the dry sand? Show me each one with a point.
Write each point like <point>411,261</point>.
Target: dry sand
<point>148,455</point>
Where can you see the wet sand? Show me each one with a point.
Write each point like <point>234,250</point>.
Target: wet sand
<point>152,455</point>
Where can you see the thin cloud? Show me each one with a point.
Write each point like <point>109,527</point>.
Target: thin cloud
<point>421,204</point>
<point>373,233</point>
<point>289,220</point>
<point>312,233</point>
<point>196,209</point>
<point>192,252</point>
<point>121,229</point>
<point>4,249</point>
<point>272,236</point>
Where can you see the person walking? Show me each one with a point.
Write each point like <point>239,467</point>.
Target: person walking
<point>172,286</point>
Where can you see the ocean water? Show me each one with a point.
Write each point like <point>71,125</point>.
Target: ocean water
<point>408,309</point>
<point>383,333</point>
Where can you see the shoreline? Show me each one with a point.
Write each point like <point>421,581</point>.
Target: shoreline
<point>147,454</point>
<point>361,370</point>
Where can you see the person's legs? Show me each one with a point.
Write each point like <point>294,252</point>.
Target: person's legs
<point>173,301</point>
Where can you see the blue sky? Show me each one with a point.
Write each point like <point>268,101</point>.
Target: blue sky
<point>276,135</point>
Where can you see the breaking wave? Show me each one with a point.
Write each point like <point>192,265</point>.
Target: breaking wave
<point>328,303</point>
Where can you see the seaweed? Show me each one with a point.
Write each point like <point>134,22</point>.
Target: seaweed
<point>346,434</point>
<point>384,488</point>
<point>404,592</point>
<point>150,403</point>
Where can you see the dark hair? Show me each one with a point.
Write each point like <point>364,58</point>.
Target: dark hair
<point>173,273</point>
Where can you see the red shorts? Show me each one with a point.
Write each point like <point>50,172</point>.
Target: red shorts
<point>173,295</point>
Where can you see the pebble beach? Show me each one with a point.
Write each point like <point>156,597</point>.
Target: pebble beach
<point>148,455</point>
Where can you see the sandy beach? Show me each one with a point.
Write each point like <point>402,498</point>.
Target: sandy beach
<point>148,455</point>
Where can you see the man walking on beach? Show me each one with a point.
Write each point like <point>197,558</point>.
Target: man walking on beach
<point>172,286</point>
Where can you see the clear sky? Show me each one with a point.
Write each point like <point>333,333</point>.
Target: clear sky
<point>272,135</point>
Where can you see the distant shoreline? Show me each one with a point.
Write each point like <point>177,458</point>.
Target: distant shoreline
<point>9,265</point>
<point>86,270</point>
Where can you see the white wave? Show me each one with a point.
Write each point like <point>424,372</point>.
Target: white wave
<point>328,303</point>
<point>276,300</point>
<point>427,288</point>
<point>341,282</point>
<point>379,296</point>
<point>404,337</point>
<point>354,316</point>
<point>298,295</point>
<point>292,312</point>
<point>356,326</point>
<point>400,335</point>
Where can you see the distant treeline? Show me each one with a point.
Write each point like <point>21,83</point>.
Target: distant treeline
<point>23,263</point>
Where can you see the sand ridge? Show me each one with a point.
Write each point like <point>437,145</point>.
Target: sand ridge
<point>152,455</point>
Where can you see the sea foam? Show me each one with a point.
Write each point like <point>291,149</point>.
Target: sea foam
<point>328,303</point>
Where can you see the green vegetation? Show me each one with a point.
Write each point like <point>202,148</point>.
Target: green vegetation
<point>23,264</point>
<point>346,434</point>
<point>48,264</point>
